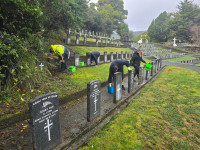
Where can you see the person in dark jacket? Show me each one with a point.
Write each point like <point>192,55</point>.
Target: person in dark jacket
<point>135,62</point>
<point>93,57</point>
<point>117,66</point>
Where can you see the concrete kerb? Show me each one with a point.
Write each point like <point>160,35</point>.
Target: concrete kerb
<point>83,138</point>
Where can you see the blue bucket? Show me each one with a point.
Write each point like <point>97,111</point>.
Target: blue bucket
<point>110,89</point>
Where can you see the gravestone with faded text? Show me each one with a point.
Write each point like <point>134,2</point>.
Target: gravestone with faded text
<point>93,99</point>
<point>45,121</point>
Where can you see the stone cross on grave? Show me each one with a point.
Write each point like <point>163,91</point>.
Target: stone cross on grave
<point>174,42</point>
<point>48,129</point>
<point>41,65</point>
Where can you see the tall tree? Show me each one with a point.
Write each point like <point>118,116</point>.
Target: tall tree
<point>114,11</point>
<point>158,29</point>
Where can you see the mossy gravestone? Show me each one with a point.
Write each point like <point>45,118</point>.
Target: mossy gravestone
<point>44,111</point>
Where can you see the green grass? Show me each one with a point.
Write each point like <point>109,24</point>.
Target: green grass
<point>82,49</point>
<point>197,64</point>
<point>181,59</point>
<point>165,115</point>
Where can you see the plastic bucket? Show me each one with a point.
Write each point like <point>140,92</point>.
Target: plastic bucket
<point>148,67</point>
<point>81,63</point>
<point>110,89</point>
<point>72,68</point>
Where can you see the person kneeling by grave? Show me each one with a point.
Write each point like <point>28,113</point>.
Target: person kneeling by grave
<point>135,61</point>
<point>117,66</point>
<point>93,57</point>
<point>63,54</point>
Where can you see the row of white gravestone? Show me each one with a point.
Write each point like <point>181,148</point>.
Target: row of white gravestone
<point>112,57</point>
<point>108,42</point>
<point>44,110</point>
<point>85,32</point>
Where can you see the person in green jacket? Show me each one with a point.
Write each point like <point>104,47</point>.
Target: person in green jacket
<point>63,54</point>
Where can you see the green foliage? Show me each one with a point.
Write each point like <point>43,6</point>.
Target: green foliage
<point>158,31</point>
<point>114,14</point>
<point>18,57</point>
<point>20,17</point>
<point>63,14</point>
<point>167,26</point>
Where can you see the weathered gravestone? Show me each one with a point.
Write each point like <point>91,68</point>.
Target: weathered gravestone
<point>126,57</point>
<point>44,116</point>
<point>117,87</point>
<point>97,42</point>
<point>85,39</point>
<point>141,75</point>
<point>93,99</point>
<point>77,39</point>
<point>111,56</point>
<point>88,60</point>
<point>105,57</point>
<point>77,63</point>
<point>122,55</point>
<point>117,55</point>
<point>130,81</point>
<point>69,36</point>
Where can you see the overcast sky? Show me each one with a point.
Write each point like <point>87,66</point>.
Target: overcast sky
<point>142,12</point>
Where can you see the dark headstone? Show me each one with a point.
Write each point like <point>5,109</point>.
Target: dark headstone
<point>77,62</point>
<point>147,73</point>
<point>93,99</point>
<point>44,111</point>
<point>85,39</point>
<point>117,96</point>
<point>130,81</point>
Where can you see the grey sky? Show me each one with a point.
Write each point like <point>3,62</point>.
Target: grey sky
<point>142,12</point>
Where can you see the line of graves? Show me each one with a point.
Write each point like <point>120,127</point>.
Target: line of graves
<point>193,61</point>
<point>100,39</point>
<point>103,58</point>
<point>47,129</point>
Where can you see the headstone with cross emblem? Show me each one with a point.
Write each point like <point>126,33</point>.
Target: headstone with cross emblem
<point>44,116</point>
<point>93,99</point>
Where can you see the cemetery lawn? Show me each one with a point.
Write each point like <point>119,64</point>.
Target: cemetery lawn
<point>82,49</point>
<point>197,64</point>
<point>165,115</point>
<point>64,84</point>
<point>181,59</point>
